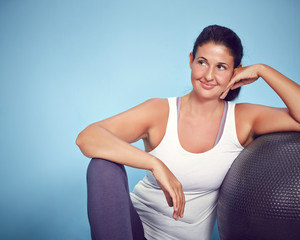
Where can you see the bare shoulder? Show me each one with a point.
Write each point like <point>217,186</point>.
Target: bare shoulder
<point>246,112</point>
<point>145,111</point>
<point>255,119</point>
<point>155,112</point>
<point>136,123</point>
<point>160,104</point>
<point>253,107</point>
<point>253,112</point>
<point>153,109</point>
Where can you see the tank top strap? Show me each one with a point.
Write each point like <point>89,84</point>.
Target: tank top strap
<point>230,126</point>
<point>171,129</point>
<point>222,124</point>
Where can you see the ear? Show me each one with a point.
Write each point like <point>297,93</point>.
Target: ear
<point>191,59</point>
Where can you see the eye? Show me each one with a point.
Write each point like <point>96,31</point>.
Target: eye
<point>201,62</point>
<point>221,67</point>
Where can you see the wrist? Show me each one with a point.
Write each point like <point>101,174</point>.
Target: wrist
<point>155,163</point>
<point>260,69</point>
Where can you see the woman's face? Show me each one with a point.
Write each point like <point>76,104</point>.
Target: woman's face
<point>211,70</point>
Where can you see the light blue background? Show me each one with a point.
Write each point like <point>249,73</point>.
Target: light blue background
<point>66,64</point>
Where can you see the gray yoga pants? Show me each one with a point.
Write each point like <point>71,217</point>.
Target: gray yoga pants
<point>110,211</point>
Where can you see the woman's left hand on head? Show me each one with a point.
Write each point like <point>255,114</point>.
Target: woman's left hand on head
<point>241,76</point>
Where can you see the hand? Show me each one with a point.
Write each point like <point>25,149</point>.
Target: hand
<point>241,76</point>
<point>171,187</point>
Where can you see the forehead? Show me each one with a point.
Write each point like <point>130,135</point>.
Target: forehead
<point>214,51</point>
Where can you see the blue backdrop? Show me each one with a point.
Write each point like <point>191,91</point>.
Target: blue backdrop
<point>65,64</point>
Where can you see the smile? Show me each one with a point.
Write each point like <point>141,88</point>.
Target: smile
<point>207,86</point>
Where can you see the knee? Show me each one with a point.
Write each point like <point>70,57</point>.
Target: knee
<point>102,170</point>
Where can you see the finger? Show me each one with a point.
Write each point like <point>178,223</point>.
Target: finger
<point>237,85</point>
<point>172,202</point>
<point>227,89</point>
<point>224,94</point>
<point>179,206</point>
<point>243,82</point>
<point>182,202</point>
<point>169,199</point>
<point>175,207</point>
<point>183,205</point>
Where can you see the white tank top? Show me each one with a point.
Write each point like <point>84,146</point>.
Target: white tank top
<point>201,175</point>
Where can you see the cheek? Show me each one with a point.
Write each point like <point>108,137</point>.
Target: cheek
<point>224,78</point>
<point>197,72</point>
<point>194,74</point>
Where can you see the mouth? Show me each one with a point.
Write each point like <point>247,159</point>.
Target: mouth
<point>207,85</point>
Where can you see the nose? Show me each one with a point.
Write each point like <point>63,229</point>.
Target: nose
<point>209,75</point>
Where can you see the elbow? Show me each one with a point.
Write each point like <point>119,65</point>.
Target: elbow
<point>79,140</point>
<point>88,142</point>
<point>81,143</point>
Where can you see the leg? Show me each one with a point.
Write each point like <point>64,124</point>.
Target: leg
<point>110,210</point>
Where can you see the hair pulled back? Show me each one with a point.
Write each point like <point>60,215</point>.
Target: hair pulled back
<point>226,37</point>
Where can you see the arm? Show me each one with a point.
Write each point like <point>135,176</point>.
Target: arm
<point>287,90</point>
<point>257,119</point>
<point>110,139</point>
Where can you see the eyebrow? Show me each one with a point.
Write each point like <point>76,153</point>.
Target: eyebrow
<point>203,58</point>
<point>221,63</point>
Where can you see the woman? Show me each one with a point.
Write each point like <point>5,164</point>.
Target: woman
<point>190,143</point>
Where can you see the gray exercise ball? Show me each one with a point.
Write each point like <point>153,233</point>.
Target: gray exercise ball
<point>260,195</point>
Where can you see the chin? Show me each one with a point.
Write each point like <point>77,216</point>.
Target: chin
<point>207,96</point>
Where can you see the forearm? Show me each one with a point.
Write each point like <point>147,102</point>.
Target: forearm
<point>288,90</point>
<point>97,142</point>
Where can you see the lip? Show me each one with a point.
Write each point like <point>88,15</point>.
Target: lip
<point>207,86</point>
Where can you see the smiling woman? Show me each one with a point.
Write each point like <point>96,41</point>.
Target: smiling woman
<point>212,69</point>
<point>225,38</point>
<point>190,141</point>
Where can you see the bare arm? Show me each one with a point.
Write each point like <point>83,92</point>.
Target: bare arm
<point>261,119</point>
<point>287,90</point>
<point>110,139</point>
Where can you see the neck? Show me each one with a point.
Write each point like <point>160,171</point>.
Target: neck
<point>202,107</point>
